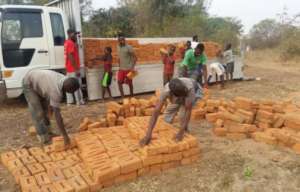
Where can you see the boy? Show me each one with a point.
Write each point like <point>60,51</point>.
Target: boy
<point>229,62</point>
<point>168,60</point>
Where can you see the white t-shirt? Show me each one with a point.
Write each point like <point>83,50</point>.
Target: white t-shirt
<point>216,68</point>
<point>228,56</point>
<point>194,44</point>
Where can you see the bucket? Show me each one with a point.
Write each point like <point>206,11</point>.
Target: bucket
<point>93,78</point>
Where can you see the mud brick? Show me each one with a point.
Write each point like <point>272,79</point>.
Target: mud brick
<point>191,140</point>
<point>79,184</point>
<point>191,152</point>
<point>220,132</point>
<point>14,164</point>
<point>170,165</point>
<point>138,111</point>
<point>35,168</point>
<point>73,159</point>
<point>114,107</point>
<point>296,148</point>
<point>265,138</point>
<point>93,185</point>
<point>42,179</point>
<point>19,173</point>
<point>212,117</point>
<point>32,131</point>
<point>106,172</point>
<point>219,123</point>
<point>120,120</point>
<point>213,103</point>
<point>63,186</point>
<point>236,136</point>
<point>126,177</point>
<point>189,160</point>
<point>172,157</point>
<point>48,149</point>
<point>132,111</point>
<point>59,145</point>
<point>264,115</point>
<point>266,108</point>
<point>50,165</point>
<point>209,109</point>
<point>278,108</point>
<point>156,148</point>
<point>263,125</point>
<point>149,111</point>
<point>143,171</point>
<point>151,160</point>
<point>279,122</point>
<point>48,188</point>
<point>247,115</point>
<point>27,182</point>
<point>108,183</point>
<point>7,156</point>
<point>56,156</point>
<point>28,160</point>
<point>32,189</point>
<point>22,153</point>
<point>55,174</point>
<point>233,117</point>
<point>63,164</point>
<point>292,121</point>
<point>284,137</point>
<point>35,150</point>
<point>81,168</point>
<point>183,145</point>
<point>155,169</point>
<point>251,128</point>
<point>198,114</point>
<point>235,127</point>
<point>70,172</point>
<point>130,164</point>
<point>244,103</point>
<point>43,158</point>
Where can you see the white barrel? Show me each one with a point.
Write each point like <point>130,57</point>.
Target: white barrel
<point>93,78</point>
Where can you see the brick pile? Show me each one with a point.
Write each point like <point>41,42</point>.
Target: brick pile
<point>100,158</point>
<point>146,53</point>
<point>271,122</point>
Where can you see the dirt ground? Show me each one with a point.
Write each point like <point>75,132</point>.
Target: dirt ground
<point>244,166</point>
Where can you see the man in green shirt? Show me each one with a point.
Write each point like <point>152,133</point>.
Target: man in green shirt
<point>194,64</point>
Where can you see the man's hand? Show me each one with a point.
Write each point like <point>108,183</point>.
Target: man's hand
<point>145,141</point>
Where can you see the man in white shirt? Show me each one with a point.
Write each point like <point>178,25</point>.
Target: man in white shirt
<point>195,42</point>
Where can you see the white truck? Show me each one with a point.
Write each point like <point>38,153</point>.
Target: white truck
<point>32,37</point>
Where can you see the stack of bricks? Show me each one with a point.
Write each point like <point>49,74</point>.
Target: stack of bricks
<point>146,53</point>
<point>100,158</point>
<point>271,122</point>
<point>116,113</point>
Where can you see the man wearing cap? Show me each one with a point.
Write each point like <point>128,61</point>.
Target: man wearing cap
<point>72,65</point>
<point>44,90</point>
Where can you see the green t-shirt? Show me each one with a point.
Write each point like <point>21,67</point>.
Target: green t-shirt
<point>191,61</point>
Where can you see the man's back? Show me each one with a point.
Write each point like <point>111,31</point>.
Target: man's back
<point>47,84</point>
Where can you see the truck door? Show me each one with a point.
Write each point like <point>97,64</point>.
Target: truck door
<point>24,43</point>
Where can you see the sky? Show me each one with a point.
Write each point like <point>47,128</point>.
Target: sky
<point>249,12</point>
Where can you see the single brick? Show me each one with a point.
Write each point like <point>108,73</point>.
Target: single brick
<point>42,179</point>
<point>220,132</point>
<point>265,138</point>
<point>70,172</point>
<point>28,160</point>
<point>50,165</point>
<point>191,152</point>
<point>55,175</point>
<point>35,168</point>
<point>27,182</point>
<point>79,184</point>
<point>35,150</point>
<point>155,169</point>
<point>56,156</point>
<point>63,186</point>
<point>126,177</point>
<point>48,188</point>
<point>151,160</point>
<point>170,165</point>
<point>172,157</point>
<point>32,188</point>
<point>212,117</point>
<point>19,173</point>
<point>106,172</point>
<point>7,156</point>
<point>43,158</point>
<point>233,127</point>
<point>14,164</point>
<point>129,164</point>
<point>93,185</point>
<point>22,153</point>
<point>236,136</point>
<point>143,171</point>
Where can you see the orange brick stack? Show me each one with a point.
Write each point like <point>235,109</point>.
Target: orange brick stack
<point>100,158</point>
<point>146,53</point>
<point>271,122</point>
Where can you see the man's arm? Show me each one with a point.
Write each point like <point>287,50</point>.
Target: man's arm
<point>146,140</point>
<point>185,122</point>
<point>72,59</point>
<point>133,55</point>
<point>60,124</point>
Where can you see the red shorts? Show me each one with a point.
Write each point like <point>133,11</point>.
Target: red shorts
<point>122,77</point>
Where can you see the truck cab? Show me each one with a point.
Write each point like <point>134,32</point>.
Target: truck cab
<point>32,37</point>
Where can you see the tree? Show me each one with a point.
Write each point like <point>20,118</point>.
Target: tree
<point>265,34</point>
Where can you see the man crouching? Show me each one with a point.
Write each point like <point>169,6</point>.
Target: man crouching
<point>183,94</point>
